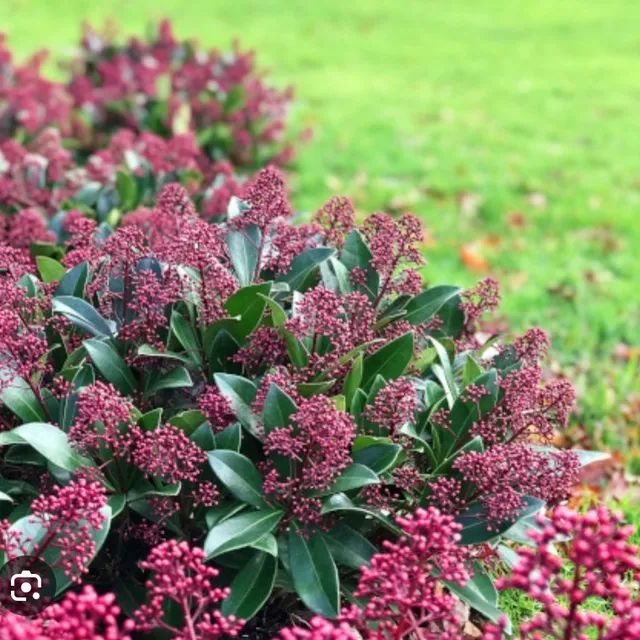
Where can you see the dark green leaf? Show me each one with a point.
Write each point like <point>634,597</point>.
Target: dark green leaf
<point>241,531</point>
<point>241,393</point>
<point>277,312</point>
<point>477,527</point>
<point>111,365</point>
<point>82,315</point>
<point>389,361</point>
<point>183,330</point>
<point>353,380</point>
<point>425,305</point>
<point>252,587</point>
<point>48,440</point>
<point>464,414</point>
<point>222,512</point>
<point>20,399</point>
<point>249,304</point>
<point>339,502</point>
<point>243,249</point>
<point>74,281</point>
<point>173,379</point>
<point>152,352</point>
<point>378,457</point>
<point>356,253</point>
<point>303,264</point>
<point>471,594</point>
<point>188,421</point>
<point>278,409</point>
<point>239,475</point>
<point>348,547</point>
<point>151,420</point>
<point>314,573</point>
<point>229,438</point>
<point>354,476</point>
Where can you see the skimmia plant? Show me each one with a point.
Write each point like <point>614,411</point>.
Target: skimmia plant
<point>265,397</point>
<point>166,86</point>
<point>160,86</point>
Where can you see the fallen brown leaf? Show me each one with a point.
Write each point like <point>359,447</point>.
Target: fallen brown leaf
<point>472,259</point>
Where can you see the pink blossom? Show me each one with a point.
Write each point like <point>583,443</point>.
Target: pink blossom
<point>180,576</point>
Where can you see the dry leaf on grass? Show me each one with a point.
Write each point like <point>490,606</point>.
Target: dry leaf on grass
<point>472,259</point>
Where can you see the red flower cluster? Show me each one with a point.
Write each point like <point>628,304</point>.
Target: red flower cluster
<point>68,516</point>
<point>163,85</point>
<point>395,244</point>
<point>80,616</point>
<point>602,563</point>
<point>168,453</point>
<point>394,405</point>
<point>337,219</point>
<point>179,576</point>
<point>103,419</point>
<point>401,590</point>
<point>29,101</point>
<point>317,446</point>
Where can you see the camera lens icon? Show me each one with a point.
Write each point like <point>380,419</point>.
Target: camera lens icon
<point>27,586</point>
<point>25,580</point>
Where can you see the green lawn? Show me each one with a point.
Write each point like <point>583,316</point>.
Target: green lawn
<point>466,113</point>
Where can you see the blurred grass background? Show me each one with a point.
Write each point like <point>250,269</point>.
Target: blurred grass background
<point>510,128</point>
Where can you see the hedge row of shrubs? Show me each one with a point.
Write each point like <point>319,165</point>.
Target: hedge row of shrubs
<point>209,411</point>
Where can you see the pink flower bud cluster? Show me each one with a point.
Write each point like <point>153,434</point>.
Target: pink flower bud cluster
<point>23,343</point>
<point>216,408</point>
<point>601,564</point>
<point>179,576</point>
<point>337,219</point>
<point>483,298</point>
<point>394,405</point>
<point>86,615</point>
<point>400,593</point>
<point>321,629</point>
<point>330,325</point>
<point>395,244</point>
<point>103,421</point>
<point>503,475</point>
<point>29,101</point>
<point>166,452</point>
<point>170,86</point>
<point>69,516</point>
<point>318,446</point>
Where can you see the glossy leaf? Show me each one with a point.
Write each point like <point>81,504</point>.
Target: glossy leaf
<point>20,399</point>
<point>239,475</point>
<point>278,409</point>
<point>111,365</point>
<point>389,361</point>
<point>48,440</point>
<point>252,587</point>
<point>240,531</point>
<point>74,281</point>
<point>81,314</point>
<point>241,393</point>
<point>314,573</point>
<point>425,305</point>
<point>348,547</point>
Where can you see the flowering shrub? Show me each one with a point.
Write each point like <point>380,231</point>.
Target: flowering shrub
<point>398,591</point>
<point>167,87</point>
<point>28,101</point>
<point>602,564</point>
<point>45,196</point>
<point>265,396</point>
